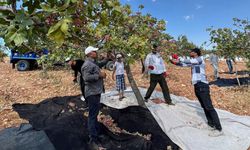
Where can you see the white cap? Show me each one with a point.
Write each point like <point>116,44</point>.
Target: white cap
<point>118,56</point>
<point>90,49</point>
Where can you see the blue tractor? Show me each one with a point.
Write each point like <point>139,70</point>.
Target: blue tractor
<point>26,61</point>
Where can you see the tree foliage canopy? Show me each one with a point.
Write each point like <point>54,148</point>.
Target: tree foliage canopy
<point>232,42</point>
<point>72,24</point>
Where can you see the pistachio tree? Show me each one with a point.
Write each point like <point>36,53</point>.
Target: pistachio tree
<point>67,26</point>
<point>232,42</point>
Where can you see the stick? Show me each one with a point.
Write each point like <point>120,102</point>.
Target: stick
<point>236,71</point>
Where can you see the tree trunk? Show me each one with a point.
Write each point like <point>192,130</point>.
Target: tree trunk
<point>134,87</point>
<point>236,73</point>
<point>143,66</point>
<point>45,74</point>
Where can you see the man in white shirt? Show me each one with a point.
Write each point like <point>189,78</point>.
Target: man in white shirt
<point>155,66</point>
<point>201,88</point>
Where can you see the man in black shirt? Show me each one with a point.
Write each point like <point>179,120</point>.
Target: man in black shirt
<point>76,65</point>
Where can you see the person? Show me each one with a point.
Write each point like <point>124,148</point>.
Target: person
<point>110,55</point>
<point>76,66</point>
<point>155,66</point>
<point>119,73</point>
<point>214,61</point>
<point>229,64</point>
<point>93,78</point>
<point>201,88</point>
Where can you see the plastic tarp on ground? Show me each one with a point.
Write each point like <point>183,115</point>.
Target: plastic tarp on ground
<point>185,123</point>
<point>64,122</point>
<point>24,138</point>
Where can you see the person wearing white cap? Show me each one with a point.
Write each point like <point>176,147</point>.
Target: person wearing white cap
<point>119,73</point>
<point>93,78</point>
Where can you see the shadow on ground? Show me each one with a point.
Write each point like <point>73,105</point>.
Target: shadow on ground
<point>230,82</point>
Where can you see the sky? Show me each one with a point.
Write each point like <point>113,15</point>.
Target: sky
<point>193,17</point>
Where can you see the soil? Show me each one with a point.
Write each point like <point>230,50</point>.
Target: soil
<point>35,86</point>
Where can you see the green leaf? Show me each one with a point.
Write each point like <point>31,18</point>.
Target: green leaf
<point>9,37</point>
<point>54,28</point>
<point>65,25</point>
<point>48,8</point>
<point>19,39</point>
<point>23,19</point>
<point>110,3</point>
<point>3,3</point>
<point>59,37</point>
<point>3,21</point>
<point>118,9</point>
<point>59,31</point>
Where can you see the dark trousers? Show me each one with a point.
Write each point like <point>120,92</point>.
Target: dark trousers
<point>82,86</point>
<point>230,66</point>
<point>154,79</point>
<point>203,94</point>
<point>93,124</point>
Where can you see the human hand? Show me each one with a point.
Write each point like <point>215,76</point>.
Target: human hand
<point>165,74</point>
<point>151,67</point>
<point>75,80</point>
<point>174,61</point>
<point>102,74</point>
<point>175,56</point>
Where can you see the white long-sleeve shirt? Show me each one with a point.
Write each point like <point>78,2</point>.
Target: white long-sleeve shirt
<point>198,69</point>
<point>157,62</point>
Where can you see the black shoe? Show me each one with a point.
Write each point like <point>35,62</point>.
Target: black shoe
<point>95,145</point>
<point>170,103</point>
<point>211,125</point>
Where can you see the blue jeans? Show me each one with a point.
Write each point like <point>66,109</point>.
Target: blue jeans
<point>93,124</point>
<point>203,94</point>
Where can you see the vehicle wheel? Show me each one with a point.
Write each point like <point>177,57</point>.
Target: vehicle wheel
<point>110,66</point>
<point>23,65</point>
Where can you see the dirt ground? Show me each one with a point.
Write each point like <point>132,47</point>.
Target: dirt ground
<point>34,86</point>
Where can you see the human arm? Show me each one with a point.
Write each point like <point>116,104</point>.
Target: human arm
<point>187,62</point>
<point>211,59</point>
<point>90,73</point>
<point>233,59</point>
<point>102,63</point>
<point>148,64</point>
<point>75,75</point>
<point>113,74</point>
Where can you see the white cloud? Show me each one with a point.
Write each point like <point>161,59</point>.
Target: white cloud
<point>188,17</point>
<point>153,0</point>
<point>198,6</point>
